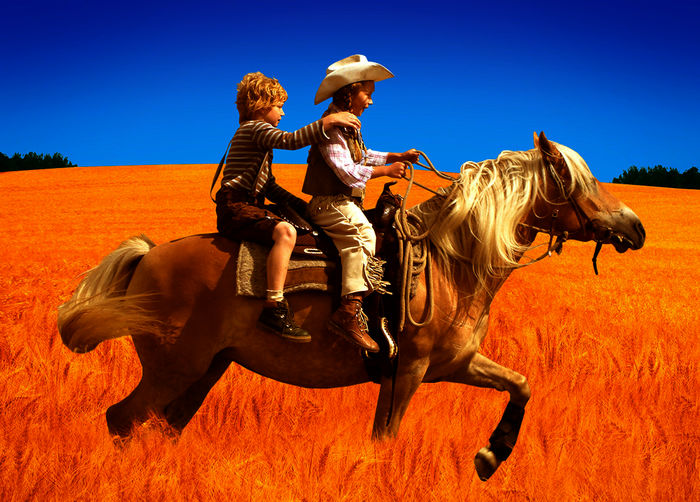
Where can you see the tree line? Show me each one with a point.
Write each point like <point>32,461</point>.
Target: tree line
<point>659,176</point>
<point>33,160</point>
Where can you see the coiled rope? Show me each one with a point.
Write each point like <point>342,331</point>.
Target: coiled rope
<point>411,265</point>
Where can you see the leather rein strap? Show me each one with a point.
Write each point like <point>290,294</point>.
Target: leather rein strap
<point>407,239</point>
<point>583,221</point>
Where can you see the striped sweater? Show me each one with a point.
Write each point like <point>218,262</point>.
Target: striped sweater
<point>251,142</point>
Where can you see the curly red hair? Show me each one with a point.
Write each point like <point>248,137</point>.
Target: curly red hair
<point>256,92</point>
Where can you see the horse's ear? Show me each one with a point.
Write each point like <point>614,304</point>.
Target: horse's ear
<point>546,147</point>
<point>537,140</point>
<point>549,151</point>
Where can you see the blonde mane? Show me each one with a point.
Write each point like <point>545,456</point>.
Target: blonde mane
<point>474,222</point>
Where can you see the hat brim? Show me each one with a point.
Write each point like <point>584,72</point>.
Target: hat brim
<point>356,72</point>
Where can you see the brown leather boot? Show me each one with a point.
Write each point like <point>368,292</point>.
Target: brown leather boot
<point>351,323</point>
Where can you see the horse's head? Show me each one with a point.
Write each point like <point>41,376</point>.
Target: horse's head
<point>578,206</point>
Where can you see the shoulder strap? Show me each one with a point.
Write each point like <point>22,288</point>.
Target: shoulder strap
<point>218,169</point>
<point>262,177</point>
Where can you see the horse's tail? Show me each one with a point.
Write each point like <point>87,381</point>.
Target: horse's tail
<point>99,309</point>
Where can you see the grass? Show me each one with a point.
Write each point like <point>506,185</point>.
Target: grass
<point>613,363</point>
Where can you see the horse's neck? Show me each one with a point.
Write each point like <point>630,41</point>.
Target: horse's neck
<point>465,281</point>
<point>461,295</point>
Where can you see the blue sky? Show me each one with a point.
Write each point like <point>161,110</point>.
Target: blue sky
<point>121,83</point>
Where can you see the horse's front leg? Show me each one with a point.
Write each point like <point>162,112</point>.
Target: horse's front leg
<point>395,394</point>
<point>482,372</point>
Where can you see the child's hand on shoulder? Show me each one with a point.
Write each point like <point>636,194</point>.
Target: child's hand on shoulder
<point>341,119</point>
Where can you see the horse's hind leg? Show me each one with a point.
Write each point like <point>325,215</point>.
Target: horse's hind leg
<point>180,411</point>
<point>123,416</point>
<point>151,397</point>
<point>168,373</point>
<point>482,372</point>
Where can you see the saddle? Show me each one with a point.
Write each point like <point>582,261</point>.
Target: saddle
<point>314,265</point>
<point>312,241</point>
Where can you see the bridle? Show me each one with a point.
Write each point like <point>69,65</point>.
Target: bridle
<point>584,221</point>
<point>406,238</point>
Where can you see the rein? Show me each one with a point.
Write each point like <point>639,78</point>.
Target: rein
<point>407,239</point>
<point>553,245</point>
<point>562,237</point>
<point>406,222</point>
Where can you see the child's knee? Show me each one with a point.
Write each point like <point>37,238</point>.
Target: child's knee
<point>284,233</point>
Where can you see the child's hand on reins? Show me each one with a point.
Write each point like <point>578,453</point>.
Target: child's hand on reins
<point>396,170</point>
<point>411,155</point>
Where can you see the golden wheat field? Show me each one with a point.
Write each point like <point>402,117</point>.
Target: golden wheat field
<point>613,363</point>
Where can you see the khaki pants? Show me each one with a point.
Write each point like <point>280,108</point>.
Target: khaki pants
<point>344,222</point>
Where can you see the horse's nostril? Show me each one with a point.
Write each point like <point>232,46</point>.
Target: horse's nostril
<point>640,229</point>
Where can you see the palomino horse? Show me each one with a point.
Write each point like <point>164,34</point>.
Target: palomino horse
<point>177,300</point>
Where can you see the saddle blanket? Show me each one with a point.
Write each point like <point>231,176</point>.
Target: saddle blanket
<point>304,273</point>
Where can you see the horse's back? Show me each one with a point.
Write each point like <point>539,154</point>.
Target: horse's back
<point>201,258</point>
<point>193,282</point>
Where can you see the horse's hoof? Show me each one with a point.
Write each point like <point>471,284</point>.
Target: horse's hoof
<point>121,442</point>
<point>486,463</point>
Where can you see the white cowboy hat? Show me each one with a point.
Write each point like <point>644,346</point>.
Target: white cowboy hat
<point>347,71</point>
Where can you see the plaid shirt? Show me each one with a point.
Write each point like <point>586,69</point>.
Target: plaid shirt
<point>336,153</point>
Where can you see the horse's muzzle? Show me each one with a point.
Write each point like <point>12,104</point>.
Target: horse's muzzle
<point>622,229</point>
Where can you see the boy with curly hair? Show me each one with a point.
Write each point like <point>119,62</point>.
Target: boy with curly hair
<point>247,181</point>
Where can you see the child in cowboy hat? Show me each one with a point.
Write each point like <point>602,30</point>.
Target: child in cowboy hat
<point>248,180</point>
<point>338,169</point>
